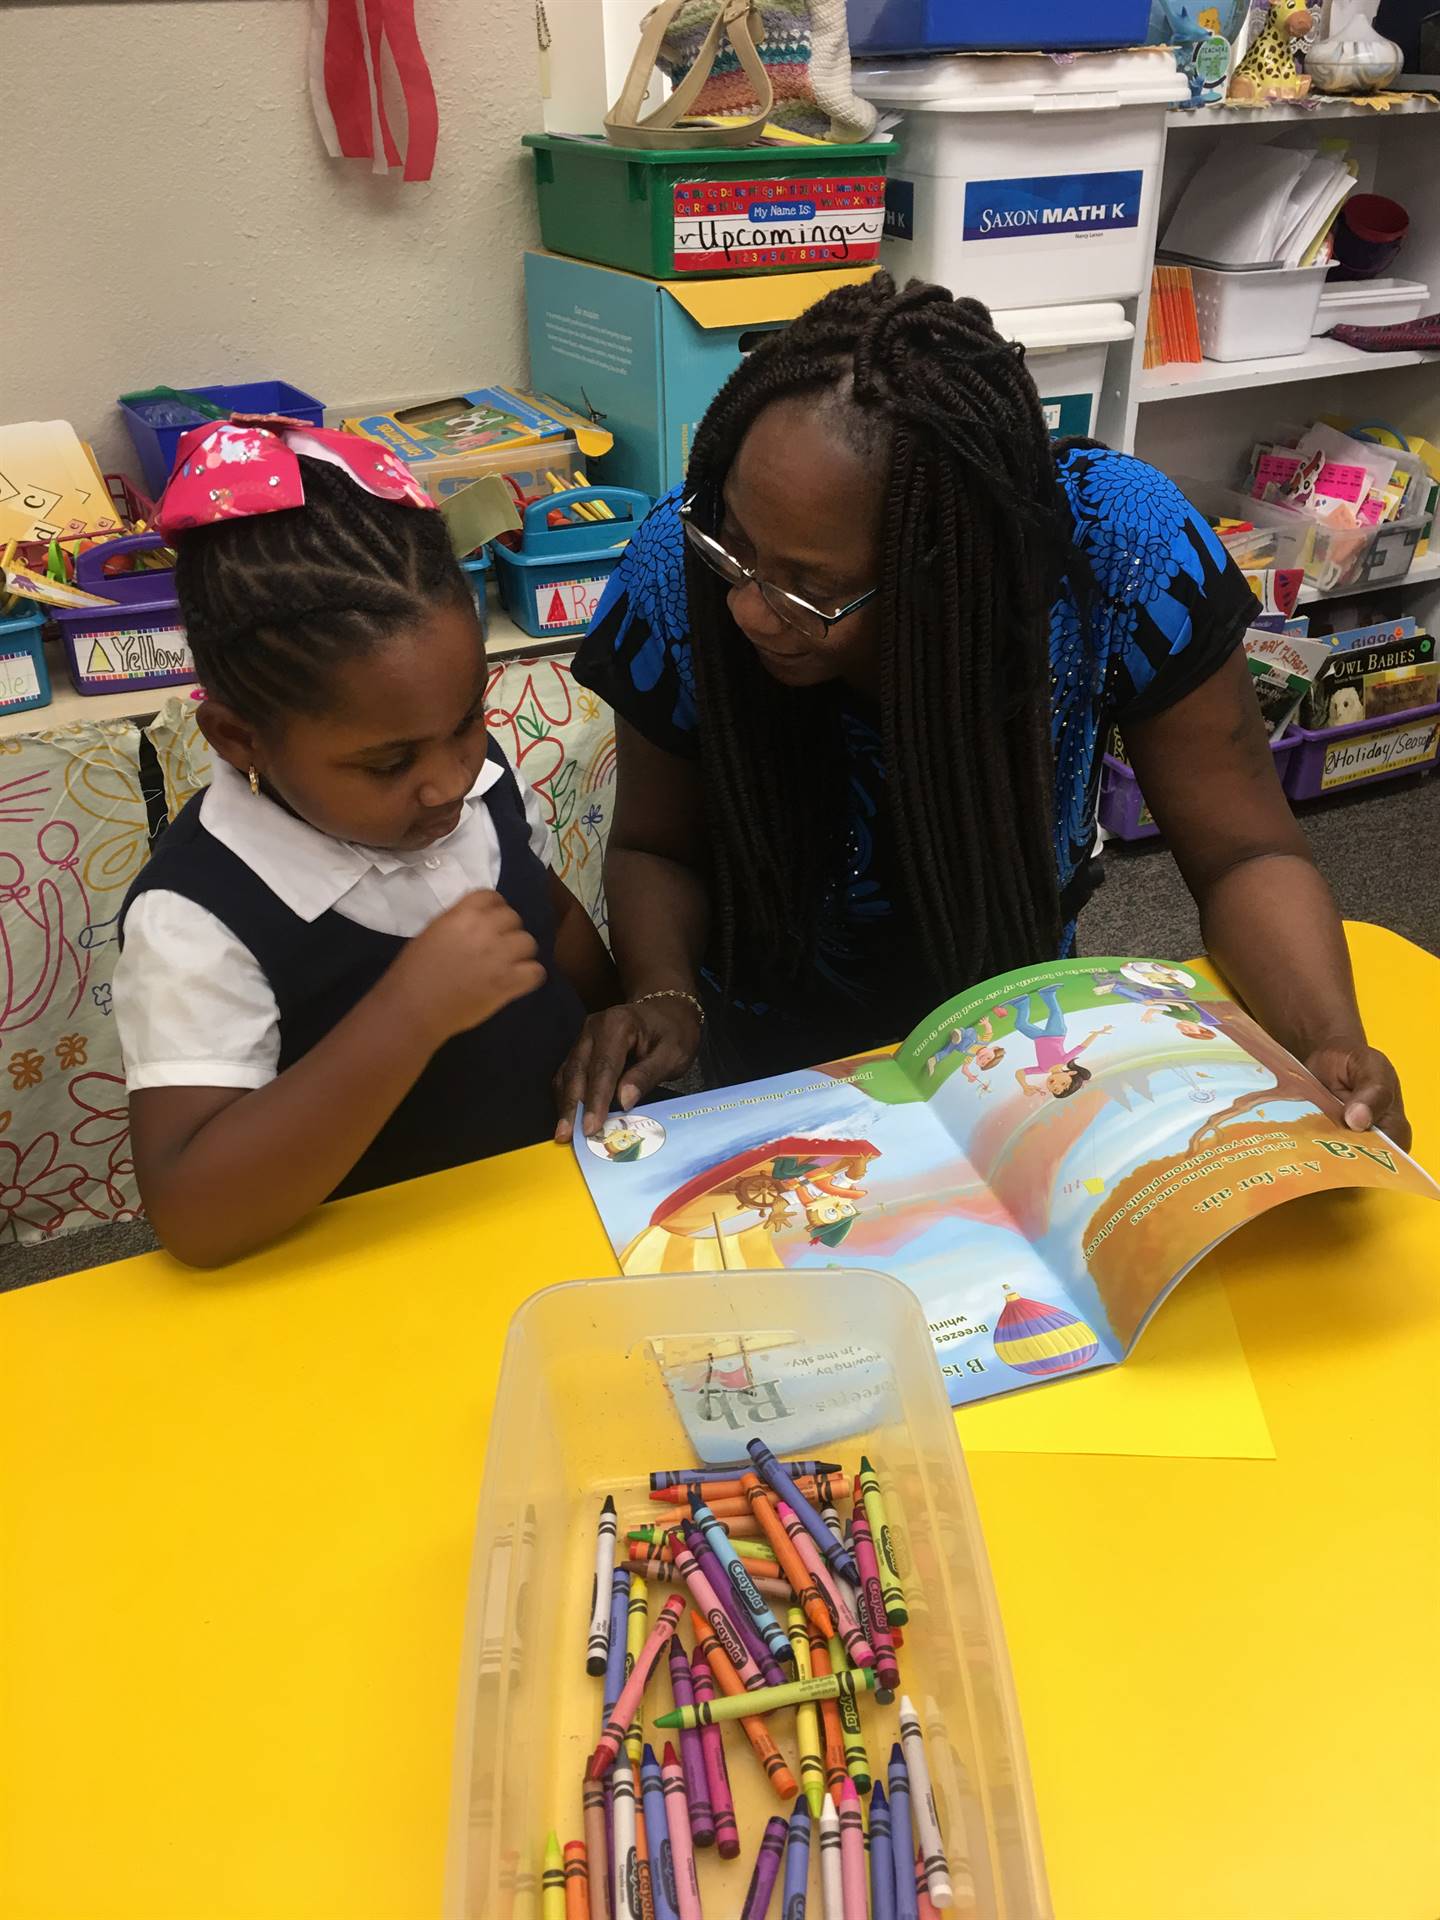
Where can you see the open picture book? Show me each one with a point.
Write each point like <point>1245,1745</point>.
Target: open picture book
<point>1040,1162</point>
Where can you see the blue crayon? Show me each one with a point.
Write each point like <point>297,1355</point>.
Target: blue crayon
<point>664,1896</point>
<point>902,1841</point>
<point>743,1586</point>
<point>615,1657</point>
<point>687,1476</point>
<point>835,1555</point>
<point>882,1858</point>
<point>797,1865</point>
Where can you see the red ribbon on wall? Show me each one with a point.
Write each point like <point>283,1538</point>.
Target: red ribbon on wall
<point>350,41</point>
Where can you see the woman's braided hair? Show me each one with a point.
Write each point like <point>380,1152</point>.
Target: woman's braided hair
<point>971,550</point>
<point>274,603</point>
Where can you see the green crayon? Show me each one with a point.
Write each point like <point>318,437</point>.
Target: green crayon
<point>739,1706</point>
<point>891,1591</point>
<point>857,1760</point>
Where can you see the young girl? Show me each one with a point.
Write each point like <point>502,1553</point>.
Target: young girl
<point>347,962</point>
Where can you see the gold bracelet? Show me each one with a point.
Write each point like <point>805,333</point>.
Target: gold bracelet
<point>673,993</point>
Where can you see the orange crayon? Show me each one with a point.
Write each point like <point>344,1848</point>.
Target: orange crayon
<point>812,1600</point>
<point>837,1770</point>
<point>577,1881</point>
<point>756,1731</point>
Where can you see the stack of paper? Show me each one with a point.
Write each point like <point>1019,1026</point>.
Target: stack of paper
<point>1263,206</point>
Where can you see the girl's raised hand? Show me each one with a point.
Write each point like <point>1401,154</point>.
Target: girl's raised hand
<point>623,1054</point>
<point>471,961</point>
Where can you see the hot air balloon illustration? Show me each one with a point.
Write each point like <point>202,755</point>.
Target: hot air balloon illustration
<point>728,1216</point>
<point>1041,1340</point>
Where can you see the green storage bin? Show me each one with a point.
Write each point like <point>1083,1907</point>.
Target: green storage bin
<point>713,210</point>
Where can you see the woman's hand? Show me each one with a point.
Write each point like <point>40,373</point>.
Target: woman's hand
<point>623,1054</point>
<point>1367,1086</point>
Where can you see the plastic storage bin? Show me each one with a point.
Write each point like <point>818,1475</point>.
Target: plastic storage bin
<point>713,210</point>
<point>1066,349</point>
<point>582,1410</point>
<point>156,425</point>
<point>941,26</point>
<point>1338,758</point>
<point>24,677</point>
<point>1024,181</point>
<point>1331,558</point>
<point>1370,303</point>
<point>1256,314</point>
<point>477,571</point>
<point>1122,811</point>
<point>138,643</point>
<point>550,585</point>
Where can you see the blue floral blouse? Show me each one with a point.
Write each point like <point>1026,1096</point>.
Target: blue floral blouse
<point>1165,609</point>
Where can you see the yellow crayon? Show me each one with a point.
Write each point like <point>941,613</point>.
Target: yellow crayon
<point>807,1717</point>
<point>637,1626</point>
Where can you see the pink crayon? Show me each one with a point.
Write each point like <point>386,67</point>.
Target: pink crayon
<point>682,1850</point>
<point>692,1752</point>
<point>624,1710</point>
<point>855,1898</point>
<point>722,1801</point>
<point>857,1647</point>
<point>872,1600</point>
<point>708,1603</point>
<point>925,1908</point>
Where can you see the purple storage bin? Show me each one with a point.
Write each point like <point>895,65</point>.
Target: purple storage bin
<point>155,425</point>
<point>1335,759</point>
<point>138,643</point>
<point>1122,810</point>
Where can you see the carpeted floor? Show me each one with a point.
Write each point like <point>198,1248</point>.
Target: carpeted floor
<point>1379,850</point>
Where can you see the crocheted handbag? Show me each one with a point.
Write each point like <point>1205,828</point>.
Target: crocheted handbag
<point>786,61</point>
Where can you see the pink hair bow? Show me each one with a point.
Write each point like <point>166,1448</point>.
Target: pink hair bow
<point>249,464</point>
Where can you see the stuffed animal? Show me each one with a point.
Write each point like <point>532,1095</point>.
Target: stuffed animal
<point>1268,71</point>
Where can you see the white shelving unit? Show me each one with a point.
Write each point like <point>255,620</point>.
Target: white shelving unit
<point>1325,360</point>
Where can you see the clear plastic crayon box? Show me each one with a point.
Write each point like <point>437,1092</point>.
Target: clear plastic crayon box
<point>825,1365</point>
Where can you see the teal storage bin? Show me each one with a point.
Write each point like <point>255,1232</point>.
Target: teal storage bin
<point>24,677</point>
<point>477,572</point>
<point>551,584</point>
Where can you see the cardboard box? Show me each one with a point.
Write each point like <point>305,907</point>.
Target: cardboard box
<point>648,356</point>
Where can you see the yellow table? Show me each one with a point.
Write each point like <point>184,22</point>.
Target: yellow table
<point>237,1518</point>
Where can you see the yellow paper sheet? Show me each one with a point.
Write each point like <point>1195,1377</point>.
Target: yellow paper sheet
<point>1185,1392</point>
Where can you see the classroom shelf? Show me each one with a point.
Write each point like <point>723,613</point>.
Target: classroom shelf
<point>1425,570</point>
<point>1323,107</point>
<point>1323,360</point>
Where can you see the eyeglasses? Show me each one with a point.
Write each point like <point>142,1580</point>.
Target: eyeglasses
<point>794,611</point>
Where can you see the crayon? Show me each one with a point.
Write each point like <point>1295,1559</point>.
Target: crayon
<point>577,1881</point>
<point>849,1594</point>
<point>906,1906</point>
<point>743,1586</point>
<point>701,1822</point>
<point>626,1901</point>
<point>755,1553</point>
<point>552,1881</point>
<point>767,1869</point>
<point>882,1861</point>
<point>771,1673</point>
<point>832,1874</point>
<point>597,1848</point>
<point>816,1607</point>
<point>797,1866</point>
<point>615,1660</point>
<point>836,1685</point>
<point>857,1760</point>
<point>784,1488</point>
<point>836,1771</point>
<point>807,1722</point>
<point>922,1806</point>
<point>640,1561</point>
<point>682,1476</point>
<point>924,1905</point>
<point>598,1645</point>
<point>637,1625</point>
<point>728,1509</point>
<point>642,1848</point>
<point>613,1733</point>
<point>728,1490</point>
<point>852,1853</point>
<point>657,1838</point>
<point>871,1599</point>
<point>717,1775</point>
<point>857,1647</point>
<point>890,1584</point>
<point>706,1601</point>
<point>682,1847</point>
<point>757,1733</point>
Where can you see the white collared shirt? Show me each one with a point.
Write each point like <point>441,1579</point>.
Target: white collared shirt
<point>192,1004</point>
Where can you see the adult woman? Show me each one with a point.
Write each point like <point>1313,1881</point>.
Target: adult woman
<point>863,672</point>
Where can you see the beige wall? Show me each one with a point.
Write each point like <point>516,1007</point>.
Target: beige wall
<point>185,223</point>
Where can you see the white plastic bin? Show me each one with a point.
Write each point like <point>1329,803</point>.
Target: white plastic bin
<point>1370,303</point>
<point>583,1410</point>
<point>1256,313</point>
<point>1066,351</point>
<point>1022,180</point>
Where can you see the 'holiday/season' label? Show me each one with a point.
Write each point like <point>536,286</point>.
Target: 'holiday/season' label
<point>723,225</point>
<point>1363,758</point>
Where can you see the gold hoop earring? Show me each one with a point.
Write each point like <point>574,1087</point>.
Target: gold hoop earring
<point>254,782</point>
